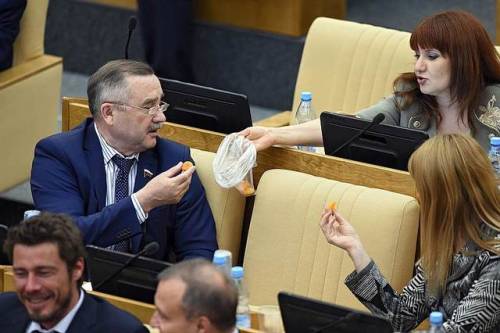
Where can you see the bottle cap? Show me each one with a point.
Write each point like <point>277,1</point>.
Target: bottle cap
<point>495,141</point>
<point>237,272</point>
<point>30,213</point>
<point>219,260</point>
<point>306,96</point>
<point>436,318</point>
<point>222,257</point>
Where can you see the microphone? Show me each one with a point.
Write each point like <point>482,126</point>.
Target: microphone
<point>376,120</point>
<point>132,22</point>
<point>350,317</point>
<point>125,237</point>
<point>149,249</point>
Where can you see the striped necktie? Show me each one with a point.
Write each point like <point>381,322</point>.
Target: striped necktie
<point>121,190</point>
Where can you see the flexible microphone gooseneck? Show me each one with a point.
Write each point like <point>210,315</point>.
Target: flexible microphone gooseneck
<point>376,120</point>
<point>126,237</point>
<point>149,249</point>
<point>341,321</point>
<point>132,22</point>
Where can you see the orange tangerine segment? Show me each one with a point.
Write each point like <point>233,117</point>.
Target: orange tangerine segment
<point>186,165</point>
<point>332,205</point>
<point>246,188</point>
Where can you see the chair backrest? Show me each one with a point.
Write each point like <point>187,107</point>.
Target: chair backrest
<point>286,249</point>
<point>228,205</point>
<point>30,41</point>
<point>349,66</point>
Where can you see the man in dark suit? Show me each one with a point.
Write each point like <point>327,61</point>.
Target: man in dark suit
<point>11,12</point>
<point>121,182</point>
<point>195,296</point>
<point>47,257</point>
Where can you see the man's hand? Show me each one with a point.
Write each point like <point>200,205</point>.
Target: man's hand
<point>167,188</point>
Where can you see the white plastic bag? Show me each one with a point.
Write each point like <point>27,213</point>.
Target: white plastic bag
<point>233,164</point>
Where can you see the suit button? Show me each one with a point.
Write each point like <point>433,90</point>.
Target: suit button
<point>417,124</point>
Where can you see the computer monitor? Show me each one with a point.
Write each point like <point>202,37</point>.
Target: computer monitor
<point>305,315</point>
<point>205,107</point>
<point>385,145</point>
<point>138,281</point>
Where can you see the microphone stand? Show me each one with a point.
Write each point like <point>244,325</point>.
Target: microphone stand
<point>376,120</point>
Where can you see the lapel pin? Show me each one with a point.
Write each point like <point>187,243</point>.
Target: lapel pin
<point>148,174</point>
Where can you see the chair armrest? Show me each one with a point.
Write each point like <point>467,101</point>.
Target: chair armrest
<point>278,120</point>
<point>26,69</point>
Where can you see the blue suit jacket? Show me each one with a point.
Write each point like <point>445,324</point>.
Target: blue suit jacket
<point>11,12</point>
<point>68,176</point>
<point>94,316</point>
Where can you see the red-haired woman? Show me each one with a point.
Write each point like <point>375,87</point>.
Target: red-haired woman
<point>459,270</point>
<point>453,88</point>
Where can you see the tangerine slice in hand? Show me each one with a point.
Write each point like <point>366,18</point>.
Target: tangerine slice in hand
<point>186,165</point>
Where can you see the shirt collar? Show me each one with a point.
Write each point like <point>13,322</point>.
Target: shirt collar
<point>108,152</point>
<point>63,324</point>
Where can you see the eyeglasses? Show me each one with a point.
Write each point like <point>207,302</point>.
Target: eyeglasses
<point>152,111</point>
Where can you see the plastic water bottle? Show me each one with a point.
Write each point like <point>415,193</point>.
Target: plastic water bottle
<point>436,320</point>
<point>30,213</point>
<point>494,154</point>
<point>242,311</point>
<point>304,114</point>
<point>223,260</point>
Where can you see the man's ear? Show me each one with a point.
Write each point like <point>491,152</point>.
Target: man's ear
<point>78,269</point>
<point>203,325</point>
<point>106,113</point>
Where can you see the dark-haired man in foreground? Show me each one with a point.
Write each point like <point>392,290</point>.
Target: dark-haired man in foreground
<point>47,257</point>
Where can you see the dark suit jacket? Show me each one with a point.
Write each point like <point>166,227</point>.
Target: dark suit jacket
<point>68,176</point>
<point>11,12</point>
<point>94,316</point>
<point>167,31</point>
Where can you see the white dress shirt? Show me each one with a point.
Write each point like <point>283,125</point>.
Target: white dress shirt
<point>111,170</point>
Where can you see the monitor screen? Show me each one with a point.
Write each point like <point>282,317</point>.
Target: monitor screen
<point>205,107</point>
<point>385,145</point>
<point>137,281</point>
<point>305,315</point>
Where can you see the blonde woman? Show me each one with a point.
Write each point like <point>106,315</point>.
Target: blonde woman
<point>459,270</point>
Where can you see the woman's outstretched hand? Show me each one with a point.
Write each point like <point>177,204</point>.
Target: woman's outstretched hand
<point>339,232</point>
<point>260,136</point>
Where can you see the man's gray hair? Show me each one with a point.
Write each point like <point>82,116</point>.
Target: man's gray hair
<point>108,83</point>
<point>204,294</point>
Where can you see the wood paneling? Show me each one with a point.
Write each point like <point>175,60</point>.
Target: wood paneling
<point>290,17</point>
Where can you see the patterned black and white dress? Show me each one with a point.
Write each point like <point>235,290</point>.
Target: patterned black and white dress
<point>471,301</point>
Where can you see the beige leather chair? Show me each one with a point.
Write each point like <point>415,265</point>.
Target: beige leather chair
<point>348,66</point>
<point>29,97</point>
<point>286,249</point>
<point>228,205</point>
